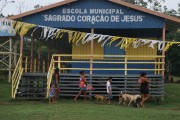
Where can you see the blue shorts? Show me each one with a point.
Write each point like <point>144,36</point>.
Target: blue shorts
<point>83,88</point>
<point>50,96</point>
<point>110,96</point>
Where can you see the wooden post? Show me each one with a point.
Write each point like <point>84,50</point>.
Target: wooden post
<point>59,62</point>
<point>26,64</point>
<point>39,55</point>
<point>92,51</point>
<point>91,58</point>
<point>44,66</point>
<point>155,71</point>
<point>125,73</point>
<point>163,52</point>
<point>48,55</point>
<point>35,65</point>
<point>10,59</point>
<point>125,66</point>
<point>159,66</point>
<point>21,45</point>
<point>21,48</point>
<point>32,54</point>
<point>15,53</point>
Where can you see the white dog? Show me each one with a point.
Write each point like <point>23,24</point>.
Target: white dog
<point>127,97</point>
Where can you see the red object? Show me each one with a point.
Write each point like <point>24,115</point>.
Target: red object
<point>89,87</point>
<point>82,82</point>
<point>140,81</point>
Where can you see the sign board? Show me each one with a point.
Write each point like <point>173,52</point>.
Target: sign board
<point>102,13</point>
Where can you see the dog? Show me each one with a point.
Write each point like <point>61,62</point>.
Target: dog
<point>101,98</point>
<point>128,98</point>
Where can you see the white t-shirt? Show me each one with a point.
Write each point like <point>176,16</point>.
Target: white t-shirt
<point>108,85</point>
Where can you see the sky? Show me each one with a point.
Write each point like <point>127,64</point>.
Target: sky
<point>171,4</point>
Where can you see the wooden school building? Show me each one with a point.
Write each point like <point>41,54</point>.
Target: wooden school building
<point>106,17</point>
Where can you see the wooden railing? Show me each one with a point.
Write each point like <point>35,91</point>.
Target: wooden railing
<point>158,65</point>
<point>49,76</point>
<point>16,77</point>
<point>36,68</point>
<point>58,60</point>
<point>123,58</point>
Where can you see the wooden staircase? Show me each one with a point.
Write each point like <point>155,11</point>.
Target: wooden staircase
<point>32,86</point>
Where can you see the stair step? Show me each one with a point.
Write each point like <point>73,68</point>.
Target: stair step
<point>35,74</point>
<point>31,84</point>
<point>32,88</point>
<point>30,94</point>
<point>30,98</point>
<point>35,80</point>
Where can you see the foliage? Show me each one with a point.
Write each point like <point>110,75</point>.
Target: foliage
<point>21,6</point>
<point>156,5</point>
<point>3,4</point>
<point>173,56</point>
<point>38,6</point>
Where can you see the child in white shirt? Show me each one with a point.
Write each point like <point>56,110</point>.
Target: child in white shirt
<point>109,89</point>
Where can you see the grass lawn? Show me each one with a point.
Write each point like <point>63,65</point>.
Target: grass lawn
<point>66,109</point>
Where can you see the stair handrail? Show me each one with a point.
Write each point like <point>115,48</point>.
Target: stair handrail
<point>49,76</point>
<point>18,71</point>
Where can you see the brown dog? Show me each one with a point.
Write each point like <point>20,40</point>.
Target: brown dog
<point>101,98</point>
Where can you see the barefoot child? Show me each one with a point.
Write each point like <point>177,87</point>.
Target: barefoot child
<point>52,94</point>
<point>144,88</point>
<point>109,89</point>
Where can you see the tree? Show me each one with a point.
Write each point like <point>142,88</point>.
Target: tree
<point>141,3</point>
<point>37,6</point>
<point>151,4</point>
<point>21,6</point>
<point>173,56</point>
<point>156,5</point>
<point>3,4</point>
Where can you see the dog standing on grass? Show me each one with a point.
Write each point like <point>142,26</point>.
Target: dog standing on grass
<point>101,98</point>
<point>128,98</point>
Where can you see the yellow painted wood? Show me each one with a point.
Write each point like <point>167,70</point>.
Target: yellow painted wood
<point>142,51</point>
<point>84,49</point>
<point>44,66</point>
<point>159,66</point>
<point>16,76</point>
<point>114,56</point>
<point>106,69</point>
<point>49,76</point>
<point>26,64</point>
<point>34,65</point>
<point>59,64</point>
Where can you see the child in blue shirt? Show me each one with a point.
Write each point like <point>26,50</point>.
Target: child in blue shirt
<point>52,93</point>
